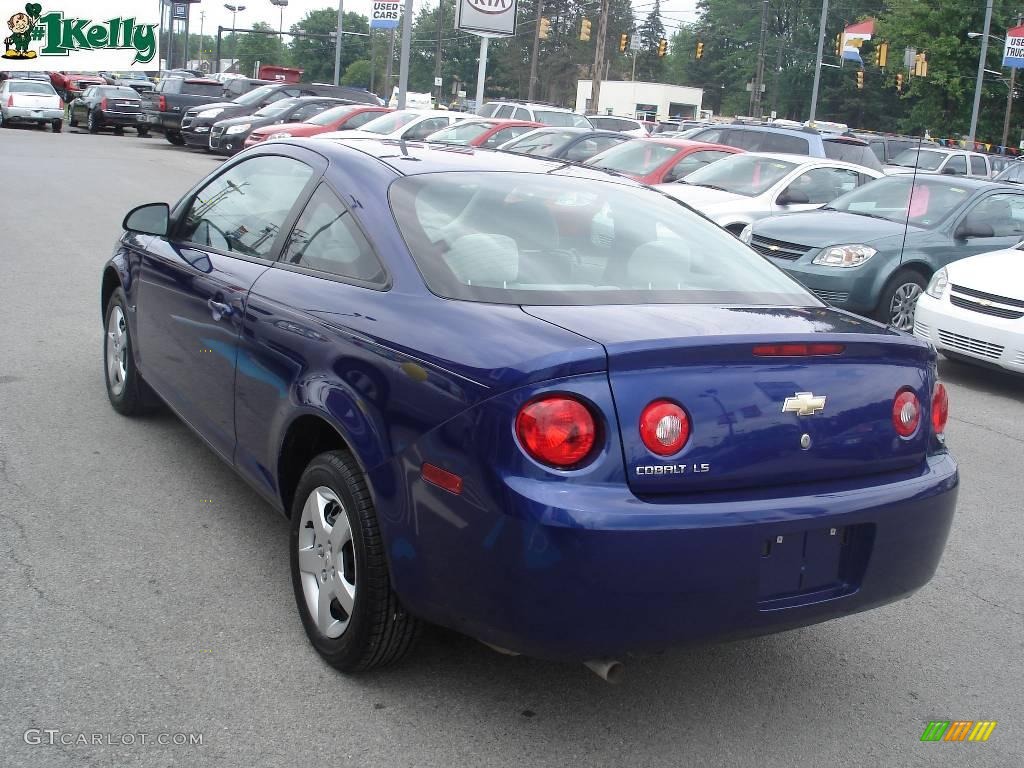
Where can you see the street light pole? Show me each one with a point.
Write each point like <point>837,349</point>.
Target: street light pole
<point>817,65</point>
<point>337,43</point>
<point>981,73</point>
<point>235,10</point>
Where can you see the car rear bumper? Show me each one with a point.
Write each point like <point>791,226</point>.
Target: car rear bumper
<point>600,573</point>
<point>122,118</point>
<point>30,114</point>
<point>958,331</point>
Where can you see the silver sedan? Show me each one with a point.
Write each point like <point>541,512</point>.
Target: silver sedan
<point>738,190</point>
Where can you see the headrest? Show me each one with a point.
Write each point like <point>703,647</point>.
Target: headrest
<point>484,258</point>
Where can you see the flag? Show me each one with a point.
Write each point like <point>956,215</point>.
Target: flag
<point>854,37</point>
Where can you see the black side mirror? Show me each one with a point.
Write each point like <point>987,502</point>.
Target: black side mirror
<point>970,228</point>
<point>792,197</point>
<point>149,219</point>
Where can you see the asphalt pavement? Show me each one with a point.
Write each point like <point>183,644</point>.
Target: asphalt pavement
<point>144,589</point>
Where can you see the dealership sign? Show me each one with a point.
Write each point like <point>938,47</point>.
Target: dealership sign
<point>82,35</point>
<point>489,17</point>
<point>384,14</point>
<point>1013,51</point>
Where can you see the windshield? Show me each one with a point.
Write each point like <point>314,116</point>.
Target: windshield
<point>560,119</point>
<point>462,133</point>
<point>637,157</point>
<point>329,116</point>
<point>390,122</point>
<point>540,143</point>
<point>747,175</point>
<point>924,159</point>
<point>924,202</point>
<point>559,238</point>
<point>276,108</point>
<point>41,88</point>
<point>129,75</point>
<point>255,96</point>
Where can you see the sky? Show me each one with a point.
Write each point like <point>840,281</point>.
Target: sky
<point>674,12</point>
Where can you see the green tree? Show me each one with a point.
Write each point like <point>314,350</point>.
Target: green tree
<point>316,55</point>
<point>256,48</point>
<point>358,74</point>
<point>649,66</point>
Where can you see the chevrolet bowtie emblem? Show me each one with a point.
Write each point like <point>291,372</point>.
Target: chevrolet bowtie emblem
<point>804,404</point>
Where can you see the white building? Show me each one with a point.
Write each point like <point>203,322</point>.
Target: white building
<point>645,101</point>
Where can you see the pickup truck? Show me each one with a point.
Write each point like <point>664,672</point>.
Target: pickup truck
<point>163,107</point>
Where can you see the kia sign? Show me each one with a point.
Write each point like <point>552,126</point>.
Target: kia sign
<point>384,14</point>
<point>1013,52</point>
<point>488,17</point>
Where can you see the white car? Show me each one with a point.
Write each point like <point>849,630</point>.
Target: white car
<point>405,124</point>
<point>738,190</point>
<point>626,125</point>
<point>30,101</point>
<point>559,117</point>
<point>973,309</point>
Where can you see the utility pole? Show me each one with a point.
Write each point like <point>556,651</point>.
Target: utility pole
<point>755,91</point>
<point>437,53</point>
<point>595,83</point>
<point>817,64</point>
<point>536,52</point>
<point>403,64</point>
<point>337,43</point>
<point>1009,96</point>
<point>373,57</point>
<point>202,42</point>
<point>981,73</point>
<point>387,69</point>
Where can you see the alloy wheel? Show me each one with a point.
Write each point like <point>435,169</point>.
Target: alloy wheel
<point>901,308</point>
<point>117,351</point>
<point>327,564</point>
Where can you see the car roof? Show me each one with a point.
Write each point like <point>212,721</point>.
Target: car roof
<point>688,143</point>
<point>805,160</point>
<point>412,158</point>
<point>943,150</point>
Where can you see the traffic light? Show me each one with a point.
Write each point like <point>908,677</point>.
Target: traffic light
<point>545,28</point>
<point>662,47</point>
<point>860,80</point>
<point>899,82</point>
<point>839,44</point>
<point>585,30</point>
<point>881,55</point>
<point>921,65</point>
<point>623,42</point>
<point>700,50</point>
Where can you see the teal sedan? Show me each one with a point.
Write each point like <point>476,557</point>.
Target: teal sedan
<point>873,250</point>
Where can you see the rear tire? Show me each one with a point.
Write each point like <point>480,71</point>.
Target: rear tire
<point>143,132</point>
<point>128,393</point>
<point>339,571</point>
<point>57,126</point>
<point>3,123</point>
<point>899,299</point>
<point>175,138</point>
<point>118,131</point>
<point>92,124</point>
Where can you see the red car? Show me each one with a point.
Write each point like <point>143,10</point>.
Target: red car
<point>338,118</point>
<point>71,84</point>
<point>657,161</point>
<point>482,133</point>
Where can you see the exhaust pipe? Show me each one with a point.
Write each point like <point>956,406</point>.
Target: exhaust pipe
<point>609,670</point>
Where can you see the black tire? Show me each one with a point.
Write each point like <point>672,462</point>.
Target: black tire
<point>143,132</point>
<point>71,119</point>
<point>118,130</point>
<point>379,630</point>
<point>135,397</point>
<point>903,288</point>
<point>175,138</point>
<point>92,124</point>
<point>3,123</point>
<point>57,126</point>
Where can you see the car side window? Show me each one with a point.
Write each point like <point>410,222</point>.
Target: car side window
<point>505,110</point>
<point>521,114</point>
<point>956,166</point>
<point>823,185</point>
<point>691,163</point>
<point>243,209</point>
<point>425,128</point>
<point>878,147</point>
<point>506,134</point>
<point>307,111</point>
<point>1002,214</point>
<point>978,167</point>
<point>326,238</point>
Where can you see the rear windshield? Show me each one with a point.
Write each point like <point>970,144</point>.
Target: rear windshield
<point>848,152</point>
<point>119,92</point>
<point>638,157</point>
<point>741,174</point>
<point>199,89</point>
<point>560,119</point>
<point>556,238</point>
<point>44,89</point>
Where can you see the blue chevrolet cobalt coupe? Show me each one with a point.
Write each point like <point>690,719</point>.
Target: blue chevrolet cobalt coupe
<point>545,406</point>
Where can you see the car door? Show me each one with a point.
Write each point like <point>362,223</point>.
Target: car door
<point>991,223</point>
<point>194,284</point>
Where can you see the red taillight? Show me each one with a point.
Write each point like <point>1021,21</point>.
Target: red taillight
<point>103,104</point>
<point>60,102</point>
<point>798,350</point>
<point>906,413</point>
<point>163,104</point>
<point>556,430</point>
<point>10,101</point>
<point>940,408</point>
<point>664,427</point>
<point>442,478</point>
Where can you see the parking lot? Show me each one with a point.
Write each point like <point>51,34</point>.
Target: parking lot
<point>145,588</point>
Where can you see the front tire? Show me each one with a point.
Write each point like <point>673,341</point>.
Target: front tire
<point>339,571</point>
<point>899,299</point>
<point>128,393</point>
<point>175,138</point>
<point>143,132</point>
<point>57,126</point>
<point>92,124</point>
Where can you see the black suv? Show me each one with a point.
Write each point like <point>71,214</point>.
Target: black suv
<point>197,122</point>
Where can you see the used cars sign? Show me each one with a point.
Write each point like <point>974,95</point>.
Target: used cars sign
<point>490,17</point>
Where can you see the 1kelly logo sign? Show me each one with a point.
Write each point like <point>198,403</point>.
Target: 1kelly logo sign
<point>90,41</point>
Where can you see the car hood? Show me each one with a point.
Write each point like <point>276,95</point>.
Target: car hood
<point>279,127</point>
<point>822,228</point>
<point>703,198</point>
<point>998,272</point>
<point>247,119</point>
<point>230,109</point>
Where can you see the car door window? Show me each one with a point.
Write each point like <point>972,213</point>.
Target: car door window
<point>326,238</point>
<point>506,134</point>
<point>956,166</point>
<point>521,114</point>
<point>243,209</point>
<point>691,163</point>
<point>1002,215</point>
<point>823,185</point>
<point>504,111</point>
<point>423,129</point>
<point>978,167</point>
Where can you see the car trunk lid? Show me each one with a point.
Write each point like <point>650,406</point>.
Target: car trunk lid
<point>756,419</point>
